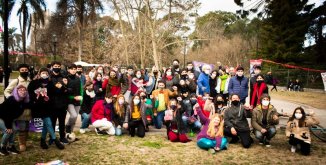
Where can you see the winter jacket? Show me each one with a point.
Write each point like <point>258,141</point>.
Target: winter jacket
<point>19,81</point>
<point>60,95</point>
<point>236,116</point>
<point>167,94</point>
<point>239,86</point>
<point>109,88</point>
<point>257,118</point>
<point>177,119</point>
<point>40,104</point>
<point>142,109</point>
<point>119,120</point>
<point>125,83</point>
<point>11,109</point>
<point>212,85</point>
<point>101,110</point>
<point>74,89</point>
<point>301,133</point>
<point>203,83</point>
<point>87,104</point>
<point>170,83</point>
<point>226,87</point>
<point>99,94</point>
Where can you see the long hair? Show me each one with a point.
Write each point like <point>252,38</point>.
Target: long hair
<point>16,95</point>
<point>211,127</point>
<point>119,109</point>
<point>132,106</point>
<point>303,118</point>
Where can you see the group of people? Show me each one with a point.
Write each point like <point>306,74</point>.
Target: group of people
<point>115,101</point>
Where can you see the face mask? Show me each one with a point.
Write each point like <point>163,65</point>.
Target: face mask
<point>235,102</point>
<point>173,107</point>
<point>160,87</point>
<point>79,72</point>
<point>138,75</point>
<point>259,81</point>
<point>108,100</point>
<point>169,73</point>
<point>193,101</point>
<point>240,74</point>
<point>191,77</point>
<point>256,72</point>
<point>265,103</point>
<point>44,76</point>
<point>213,75</point>
<point>143,97</point>
<point>56,70</point>
<point>121,102</point>
<point>207,71</point>
<point>189,67</point>
<point>100,71</point>
<point>130,72</point>
<point>219,102</point>
<point>115,69</point>
<point>99,78</point>
<point>176,66</point>
<point>136,101</point>
<point>182,83</point>
<point>298,116</point>
<point>155,73</point>
<point>24,74</point>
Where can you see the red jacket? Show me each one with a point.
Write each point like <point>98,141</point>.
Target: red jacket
<point>100,111</point>
<point>115,90</point>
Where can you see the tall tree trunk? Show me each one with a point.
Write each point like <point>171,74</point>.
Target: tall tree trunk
<point>80,43</point>
<point>140,42</point>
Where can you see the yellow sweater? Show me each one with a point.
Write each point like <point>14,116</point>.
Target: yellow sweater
<point>136,113</point>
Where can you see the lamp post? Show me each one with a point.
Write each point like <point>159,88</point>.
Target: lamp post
<point>54,41</point>
<point>184,50</point>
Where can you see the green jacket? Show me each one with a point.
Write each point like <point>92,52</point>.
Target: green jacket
<point>257,117</point>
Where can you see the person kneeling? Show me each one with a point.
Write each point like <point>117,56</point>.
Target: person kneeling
<point>297,130</point>
<point>211,136</point>
<point>101,116</point>
<point>264,118</point>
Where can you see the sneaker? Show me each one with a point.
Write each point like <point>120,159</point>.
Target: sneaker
<point>87,129</point>
<point>99,132</point>
<point>64,140</point>
<point>293,148</point>
<point>12,150</point>
<point>212,151</point>
<point>267,144</point>
<point>3,151</point>
<point>43,144</point>
<point>82,131</point>
<point>59,144</point>
<point>261,142</point>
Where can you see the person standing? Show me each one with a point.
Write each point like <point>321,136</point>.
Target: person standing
<point>203,80</point>
<point>259,88</point>
<point>1,74</point>
<point>74,97</point>
<point>257,70</point>
<point>239,85</point>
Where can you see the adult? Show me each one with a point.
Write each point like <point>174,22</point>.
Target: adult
<point>11,109</point>
<point>190,68</point>
<point>203,80</point>
<point>126,83</point>
<point>119,114</point>
<point>98,84</point>
<point>236,123</point>
<point>81,75</point>
<point>257,70</point>
<point>112,84</point>
<point>263,120</point>
<point>86,107</point>
<point>22,121</point>
<point>297,130</point>
<point>1,74</point>
<point>170,79</point>
<point>259,88</point>
<point>59,99</point>
<point>223,84</point>
<point>175,67</point>
<point>213,83</point>
<point>239,85</point>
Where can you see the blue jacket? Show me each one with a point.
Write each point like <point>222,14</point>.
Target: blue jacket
<point>203,81</point>
<point>237,87</point>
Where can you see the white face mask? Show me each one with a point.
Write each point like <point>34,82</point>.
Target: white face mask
<point>100,71</point>
<point>138,75</point>
<point>169,73</point>
<point>207,71</point>
<point>191,77</point>
<point>189,67</point>
<point>265,103</point>
<point>240,74</point>
<point>298,116</point>
<point>44,76</point>
<point>136,101</point>
<point>121,101</point>
<point>99,78</point>
<point>130,72</point>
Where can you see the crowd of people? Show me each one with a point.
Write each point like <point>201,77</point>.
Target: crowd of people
<point>116,101</point>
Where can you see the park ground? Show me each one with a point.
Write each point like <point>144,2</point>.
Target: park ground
<point>156,149</point>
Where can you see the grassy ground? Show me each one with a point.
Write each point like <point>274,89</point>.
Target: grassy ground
<point>313,99</point>
<point>156,149</point>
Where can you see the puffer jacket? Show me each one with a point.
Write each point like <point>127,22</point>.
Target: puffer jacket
<point>257,117</point>
<point>203,81</point>
<point>239,86</point>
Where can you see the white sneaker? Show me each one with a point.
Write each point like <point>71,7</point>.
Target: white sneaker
<point>87,130</point>
<point>82,131</point>
<point>293,148</point>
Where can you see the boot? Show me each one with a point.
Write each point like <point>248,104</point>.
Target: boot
<point>22,136</point>
<point>59,144</point>
<point>43,144</point>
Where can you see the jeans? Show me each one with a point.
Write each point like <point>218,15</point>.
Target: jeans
<point>47,127</point>
<point>158,120</point>
<point>196,125</point>
<point>118,131</point>
<point>269,134</point>
<point>73,112</point>
<point>22,125</point>
<point>85,120</point>
<point>206,144</point>
<point>7,138</point>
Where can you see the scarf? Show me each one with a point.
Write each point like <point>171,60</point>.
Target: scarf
<point>257,92</point>
<point>113,82</point>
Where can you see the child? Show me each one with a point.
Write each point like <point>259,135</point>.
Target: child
<point>297,130</point>
<point>86,107</point>
<point>119,114</point>
<point>211,136</point>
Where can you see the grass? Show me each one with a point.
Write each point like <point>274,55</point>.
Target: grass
<point>313,99</point>
<point>156,149</point>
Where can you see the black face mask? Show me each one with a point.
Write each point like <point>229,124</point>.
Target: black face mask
<point>173,107</point>
<point>235,103</point>
<point>259,81</point>
<point>155,73</point>
<point>143,97</point>
<point>193,101</point>
<point>56,70</point>
<point>184,77</point>
<point>219,102</point>
<point>176,66</point>
<point>24,74</point>
<point>79,72</point>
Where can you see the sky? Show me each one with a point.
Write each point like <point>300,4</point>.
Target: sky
<point>206,6</point>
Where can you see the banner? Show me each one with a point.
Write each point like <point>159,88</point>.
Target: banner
<point>323,76</point>
<point>252,64</point>
<point>198,64</point>
<point>36,125</point>
<point>294,67</point>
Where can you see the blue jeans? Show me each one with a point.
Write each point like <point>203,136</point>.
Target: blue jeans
<point>206,144</point>
<point>7,138</point>
<point>22,125</point>
<point>85,120</point>
<point>269,134</point>
<point>158,120</point>
<point>195,125</point>
<point>47,127</point>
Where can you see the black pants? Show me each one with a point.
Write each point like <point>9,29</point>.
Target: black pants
<point>140,128</point>
<point>245,137</point>
<point>59,114</point>
<point>274,87</point>
<point>305,147</point>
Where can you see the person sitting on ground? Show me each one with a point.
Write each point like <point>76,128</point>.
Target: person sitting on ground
<point>264,118</point>
<point>176,130</point>
<point>297,85</point>
<point>236,123</point>
<point>211,136</point>
<point>121,106</point>
<point>11,109</point>
<point>101,116</point>
<point>188,117</point>
<point>297,130</point>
